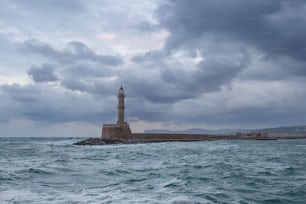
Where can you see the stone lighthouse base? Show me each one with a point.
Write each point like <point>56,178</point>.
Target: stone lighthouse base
<point>121,132</point>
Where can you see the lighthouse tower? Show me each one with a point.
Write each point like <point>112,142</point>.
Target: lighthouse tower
<point>121,130</point>
<point>121,106</point>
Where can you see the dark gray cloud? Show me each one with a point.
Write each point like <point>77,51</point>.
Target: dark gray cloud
<point>226,35</point>
<point>45,73</point>
<point>74,52</point>
<point>29,93</point>
<point>276,114</point>
<point>88,70</point>
<point>173,80</point>
<point>91,85</point>
<point>154,56</point>
<point>222,63</point>
<point>209,76</point>
<point>282,69</point>
<point>43,103</point>
<point>172,84</point>
<point>77,67</point>
<point>148,26</point>
<point>274,26</point>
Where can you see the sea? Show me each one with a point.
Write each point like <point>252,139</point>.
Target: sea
<point>53,170</point>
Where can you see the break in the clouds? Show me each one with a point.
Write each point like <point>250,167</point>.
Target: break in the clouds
<point>201,63</point>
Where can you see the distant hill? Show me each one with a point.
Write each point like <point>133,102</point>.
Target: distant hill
<point>280,131</point>
<point>285,131</point>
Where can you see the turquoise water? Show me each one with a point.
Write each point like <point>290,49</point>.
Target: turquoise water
<point>52,170</point>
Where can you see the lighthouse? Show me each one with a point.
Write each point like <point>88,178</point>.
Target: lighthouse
<point>121,130</point>
<point>121,96</point>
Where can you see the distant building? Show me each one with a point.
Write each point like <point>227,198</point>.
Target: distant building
<point>258,135</point>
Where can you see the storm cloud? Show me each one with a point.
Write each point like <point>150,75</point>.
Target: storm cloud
<point>73,61</point>
<point>48,104</point>
<point>200,63</point>
<point>74,52</point>
<point>274,26</point>
<point>42,74</point>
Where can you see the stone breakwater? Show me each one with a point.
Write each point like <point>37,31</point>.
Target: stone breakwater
<point>120,132</point>
<point>151,138</point>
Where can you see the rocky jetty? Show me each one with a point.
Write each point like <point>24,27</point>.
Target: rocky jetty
<point>97,141</point>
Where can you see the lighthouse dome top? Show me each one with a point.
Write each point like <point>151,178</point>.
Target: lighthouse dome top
<point>121,90</point>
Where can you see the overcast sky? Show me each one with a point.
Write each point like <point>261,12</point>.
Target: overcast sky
<point>184,64</point>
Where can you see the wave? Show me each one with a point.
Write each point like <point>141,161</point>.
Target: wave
<point>55,171</point>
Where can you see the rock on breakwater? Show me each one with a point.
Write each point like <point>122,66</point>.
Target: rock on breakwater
<point>97,141</point>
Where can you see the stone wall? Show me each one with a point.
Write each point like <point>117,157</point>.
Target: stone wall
<point>123,133</point>
<point>158,137</point>
<point>116,132</point>
<point>152,137</point>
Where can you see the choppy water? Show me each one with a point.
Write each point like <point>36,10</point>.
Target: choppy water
<point>48,170</point>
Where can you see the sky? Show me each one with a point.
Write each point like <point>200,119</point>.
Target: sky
<point>208,64</point>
